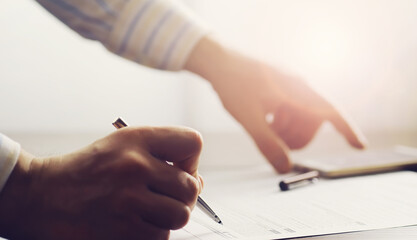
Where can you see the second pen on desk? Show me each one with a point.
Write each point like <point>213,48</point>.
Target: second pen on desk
<point>201,204</point>
<point>299,180</point>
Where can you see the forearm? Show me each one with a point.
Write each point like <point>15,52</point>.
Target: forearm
<point>158,33</point>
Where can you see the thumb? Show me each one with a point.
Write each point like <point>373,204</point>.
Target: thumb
<point>271,145</point>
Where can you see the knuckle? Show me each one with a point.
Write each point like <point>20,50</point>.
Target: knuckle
<point>131,156</point>
<point>134,162</point>
<point>99,149</point>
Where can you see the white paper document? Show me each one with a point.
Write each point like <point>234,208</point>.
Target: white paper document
<point>330,206</point>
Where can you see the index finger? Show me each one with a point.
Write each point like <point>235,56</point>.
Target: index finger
<point>352,134</point>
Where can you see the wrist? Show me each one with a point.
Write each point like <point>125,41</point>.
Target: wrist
<point>14,199</point>
<point>209,59</point>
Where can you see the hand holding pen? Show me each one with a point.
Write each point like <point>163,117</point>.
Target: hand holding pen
<point>118,187</point>
<point>201,204</point>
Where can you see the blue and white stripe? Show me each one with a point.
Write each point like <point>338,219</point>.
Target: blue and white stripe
<point>156,33</point>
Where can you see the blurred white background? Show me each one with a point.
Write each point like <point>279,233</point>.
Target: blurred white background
<point>361,54</point>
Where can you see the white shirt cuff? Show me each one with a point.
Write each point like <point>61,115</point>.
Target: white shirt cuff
<point>9,153</point>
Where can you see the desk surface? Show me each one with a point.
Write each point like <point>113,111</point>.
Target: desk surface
<point>222,182</point>
<point>402,233</point>
<point>244,150</point>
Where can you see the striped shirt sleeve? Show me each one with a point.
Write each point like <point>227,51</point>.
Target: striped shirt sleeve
<point>156,33</point>
<point>9,153</point>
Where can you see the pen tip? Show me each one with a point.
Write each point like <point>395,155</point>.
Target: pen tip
<point>217,219</point>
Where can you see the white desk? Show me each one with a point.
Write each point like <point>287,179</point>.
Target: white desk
<point>403,233</point>
<point>323,144</point>
<point>218,188</point>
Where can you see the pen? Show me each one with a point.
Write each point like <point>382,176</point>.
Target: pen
<point>201,204</point>
<point>299,180</point>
